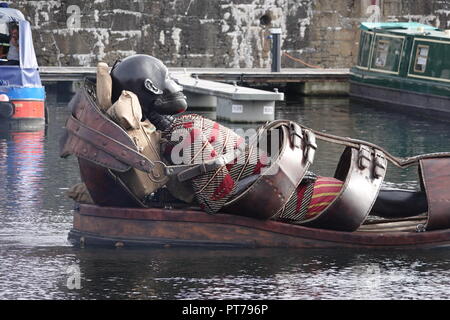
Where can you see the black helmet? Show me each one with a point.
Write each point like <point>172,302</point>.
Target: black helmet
<point>149,79</point>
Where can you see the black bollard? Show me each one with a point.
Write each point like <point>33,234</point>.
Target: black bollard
<point>276,49</point>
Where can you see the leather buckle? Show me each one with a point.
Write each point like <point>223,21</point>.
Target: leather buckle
<point>296,135</point>
<point>380,164</point>
<point>189,172</point>
<point>311,146</point>
<point>364,157</point>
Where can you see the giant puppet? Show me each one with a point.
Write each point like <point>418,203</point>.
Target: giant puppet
<point>264,177</point>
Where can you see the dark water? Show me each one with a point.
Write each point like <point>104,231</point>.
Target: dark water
<point>37,262</point>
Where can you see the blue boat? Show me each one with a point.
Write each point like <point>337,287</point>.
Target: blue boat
<point>22,95</point>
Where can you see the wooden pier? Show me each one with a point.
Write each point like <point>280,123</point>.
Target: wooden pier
<point>226,91</point>
<point>230,75</point>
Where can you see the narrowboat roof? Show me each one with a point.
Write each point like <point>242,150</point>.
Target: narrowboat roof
<point>370,26</point>
<point>406,28</point>
<point>26,73</point>
<point>10,15</point>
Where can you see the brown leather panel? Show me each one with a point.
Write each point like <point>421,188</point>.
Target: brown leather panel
<point>87,130</point>
<point>435,174</point>
<point>112,147</point>
<point>272,190</point>
<point>84,109</point>
<point>363,180</point>
<point>74,145</point>
<point>104,187</point>
<point>93,136</point>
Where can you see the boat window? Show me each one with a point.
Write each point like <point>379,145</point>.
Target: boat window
<point>421,58</point>
<point>4,47</point>
<point>444,61</point>
<point>381,53</point>
<point>387,53</point>
<point>364,49</point>
<point>9,45</point>
<point>430,60</point>
<point>445,74</point>
<point>4,41</point>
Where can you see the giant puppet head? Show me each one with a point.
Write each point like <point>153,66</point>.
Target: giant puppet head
<point>149,79</point>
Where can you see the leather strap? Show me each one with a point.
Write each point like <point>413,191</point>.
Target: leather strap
<point>113,147</point>
<point>435,177</point>
<point>363,171</point>
<point>92,136</point>
<point>71,144</point>
<point>355,143</point>
<point>433,173</point>
<point>274,187</point>
<point>190,171</point>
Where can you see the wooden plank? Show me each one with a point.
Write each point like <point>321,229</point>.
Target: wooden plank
<point>184,227</point>
<point>50,73</point>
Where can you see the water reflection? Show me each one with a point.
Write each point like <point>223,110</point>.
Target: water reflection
<point>35,217</point>
<point>21,161</point>
<point>22,176</point>
<point>231,274</point>
<point>33,181</point>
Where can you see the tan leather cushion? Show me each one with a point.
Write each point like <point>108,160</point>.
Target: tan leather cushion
<point>104,86</point>
<point>147,140</point>
<point>126,111</point>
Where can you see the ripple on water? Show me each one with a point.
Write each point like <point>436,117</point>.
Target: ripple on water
<point>35,217</point>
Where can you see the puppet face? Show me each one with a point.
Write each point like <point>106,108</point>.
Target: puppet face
<point>149,79</point>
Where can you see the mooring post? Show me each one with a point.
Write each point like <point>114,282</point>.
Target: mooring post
<point>276,49</point>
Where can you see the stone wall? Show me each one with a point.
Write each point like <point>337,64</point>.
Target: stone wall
<point>213,33</point>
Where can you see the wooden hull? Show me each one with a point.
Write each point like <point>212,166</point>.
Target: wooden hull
<point>95,225</point>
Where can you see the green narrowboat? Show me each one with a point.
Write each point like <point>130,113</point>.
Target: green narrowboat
<point>405,65</point>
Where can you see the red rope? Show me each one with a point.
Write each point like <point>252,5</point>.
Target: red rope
<point>301,61</point>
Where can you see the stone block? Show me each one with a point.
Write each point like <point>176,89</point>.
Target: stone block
<point>204,33</point>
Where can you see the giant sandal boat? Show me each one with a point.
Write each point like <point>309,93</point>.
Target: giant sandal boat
<point>117,215</point>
